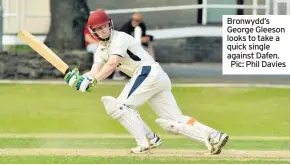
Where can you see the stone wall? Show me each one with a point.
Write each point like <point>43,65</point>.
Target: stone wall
<point>189,50</point>
<point>22,65</point>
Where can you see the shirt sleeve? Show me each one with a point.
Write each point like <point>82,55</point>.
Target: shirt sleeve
<point>98,58</point>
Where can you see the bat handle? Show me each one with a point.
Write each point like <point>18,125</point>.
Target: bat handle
<point>67,71</point>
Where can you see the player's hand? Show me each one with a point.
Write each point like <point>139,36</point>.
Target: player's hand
<point>72,77</point>
<point>85,83</point>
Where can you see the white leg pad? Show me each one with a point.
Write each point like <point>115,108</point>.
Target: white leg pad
<point>113,107</point>
<point>149,132</point>
<point>128,117</point>
<point>181,128</point>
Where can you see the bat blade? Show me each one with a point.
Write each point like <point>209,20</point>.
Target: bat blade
<point>43,50</point>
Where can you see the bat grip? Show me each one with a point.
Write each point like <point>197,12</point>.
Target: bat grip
<point>67,71</point>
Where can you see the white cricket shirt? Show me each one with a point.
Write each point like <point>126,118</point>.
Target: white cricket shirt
<point>132,53</point>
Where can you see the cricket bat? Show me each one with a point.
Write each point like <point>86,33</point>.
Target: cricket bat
<point>43,50</point>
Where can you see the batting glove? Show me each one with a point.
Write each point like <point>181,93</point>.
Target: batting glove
<point>72,77</point>
<point>85,83</point>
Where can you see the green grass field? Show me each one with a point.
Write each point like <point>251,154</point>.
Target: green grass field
<point>56,124</point>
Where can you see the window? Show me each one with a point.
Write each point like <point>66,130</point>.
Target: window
<point>214,15</point>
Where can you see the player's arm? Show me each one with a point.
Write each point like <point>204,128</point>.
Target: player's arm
<point>95,69</point>
<point>83,82</point>
<point>108,68</point>
<point>73,77</point>
<point>119,48</point>
<point>97,73</point>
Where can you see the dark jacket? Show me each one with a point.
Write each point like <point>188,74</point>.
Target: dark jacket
<point>129,29</point>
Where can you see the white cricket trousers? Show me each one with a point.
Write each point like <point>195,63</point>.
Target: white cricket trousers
<point>151,84</point>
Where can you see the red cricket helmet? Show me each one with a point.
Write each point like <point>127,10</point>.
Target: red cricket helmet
<point>98,18</point>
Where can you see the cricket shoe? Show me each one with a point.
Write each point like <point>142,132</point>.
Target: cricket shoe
<point>155,141</point>
<point>217,142</point>
<point>140,150</point>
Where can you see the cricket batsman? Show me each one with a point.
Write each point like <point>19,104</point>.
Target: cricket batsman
<point>149,83</point>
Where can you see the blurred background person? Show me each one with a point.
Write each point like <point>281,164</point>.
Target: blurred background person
<point>91,43</point>
<point>137,28</point>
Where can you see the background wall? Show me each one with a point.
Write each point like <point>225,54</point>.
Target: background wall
<point>34,15</point>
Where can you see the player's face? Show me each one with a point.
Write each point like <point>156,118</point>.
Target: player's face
<point>103,31</point>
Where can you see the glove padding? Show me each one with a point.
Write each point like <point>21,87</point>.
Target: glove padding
<point>85,83</point>
<point>72,77</point>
